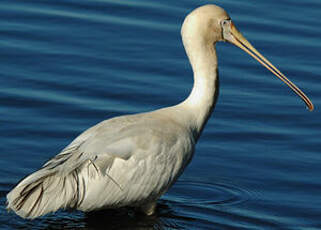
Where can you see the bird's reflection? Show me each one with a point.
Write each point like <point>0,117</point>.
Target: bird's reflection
<point>122,219</point>
<point>125,218</point>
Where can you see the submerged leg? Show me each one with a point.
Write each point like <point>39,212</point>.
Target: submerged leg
<point>149,208</point>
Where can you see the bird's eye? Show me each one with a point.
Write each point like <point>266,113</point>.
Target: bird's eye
<point>225,22</point>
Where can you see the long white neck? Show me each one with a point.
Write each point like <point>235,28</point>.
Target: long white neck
<point>201,101</point>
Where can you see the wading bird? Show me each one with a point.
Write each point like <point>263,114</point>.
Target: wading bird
<point>130,161</point>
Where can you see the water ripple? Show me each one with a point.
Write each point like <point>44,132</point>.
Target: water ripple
<point>197,193</point>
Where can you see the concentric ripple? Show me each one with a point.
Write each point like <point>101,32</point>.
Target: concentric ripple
<point>198,193</point>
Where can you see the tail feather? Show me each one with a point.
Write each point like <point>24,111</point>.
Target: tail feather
<point>60,183</point>
<point>43,192</point>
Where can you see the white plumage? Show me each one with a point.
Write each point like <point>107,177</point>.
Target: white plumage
<point>133,160</point>
<point>129,160</point>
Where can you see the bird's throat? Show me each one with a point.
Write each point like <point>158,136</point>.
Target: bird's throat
<point>201,101</point>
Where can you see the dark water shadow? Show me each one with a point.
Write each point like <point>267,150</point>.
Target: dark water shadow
<point>125,218</point>
<point>164,218</point>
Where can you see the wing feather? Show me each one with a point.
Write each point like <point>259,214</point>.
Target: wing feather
<point>85,164</point>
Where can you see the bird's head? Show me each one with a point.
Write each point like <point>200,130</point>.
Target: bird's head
<point>209,24</point>
<point>205,23</point>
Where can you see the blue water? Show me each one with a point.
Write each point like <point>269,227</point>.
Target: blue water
<point>67,65</point>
